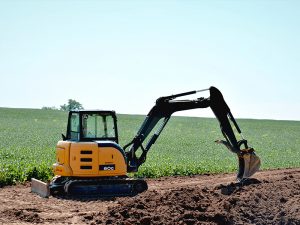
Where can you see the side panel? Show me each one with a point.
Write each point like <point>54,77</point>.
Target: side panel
<point>87,159</point>
<point>62,165</point>
<point>84,158</point>
<point>111,162</point>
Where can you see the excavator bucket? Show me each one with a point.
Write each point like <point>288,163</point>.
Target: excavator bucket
<point>249,164</point>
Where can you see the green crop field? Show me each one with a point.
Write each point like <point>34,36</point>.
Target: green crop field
<point>28,138</point>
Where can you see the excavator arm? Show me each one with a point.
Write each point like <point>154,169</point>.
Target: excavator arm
<point>163,109</point>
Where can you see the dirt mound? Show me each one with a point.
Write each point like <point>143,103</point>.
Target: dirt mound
<point>255,202</point>
<point>272,197</point>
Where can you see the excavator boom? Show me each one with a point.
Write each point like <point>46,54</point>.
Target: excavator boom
<point>165,106</point>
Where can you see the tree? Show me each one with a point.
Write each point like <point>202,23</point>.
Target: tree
<point>72,105</point>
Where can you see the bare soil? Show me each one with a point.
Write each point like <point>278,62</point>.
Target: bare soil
<point>271,197</point>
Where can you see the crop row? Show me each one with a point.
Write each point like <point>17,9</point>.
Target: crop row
<point>28,138</point>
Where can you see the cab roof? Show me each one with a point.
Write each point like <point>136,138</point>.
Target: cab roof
<point>94,111</point>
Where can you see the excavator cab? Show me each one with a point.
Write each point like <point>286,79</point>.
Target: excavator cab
<point>90,147</point>
<point>89,160</point>
<point>92,126</point>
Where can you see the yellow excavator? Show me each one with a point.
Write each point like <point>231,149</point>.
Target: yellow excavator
<point>90,161</point>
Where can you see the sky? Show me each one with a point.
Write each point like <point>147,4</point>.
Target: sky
<point>123,55</point>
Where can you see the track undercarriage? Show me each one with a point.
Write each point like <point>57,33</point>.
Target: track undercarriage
<point>106,187</point>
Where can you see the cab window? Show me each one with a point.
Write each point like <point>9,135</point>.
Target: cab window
<point>74,126</point>
<point>97,126</point>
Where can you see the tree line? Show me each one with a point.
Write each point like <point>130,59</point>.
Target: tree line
<point>71,105</point>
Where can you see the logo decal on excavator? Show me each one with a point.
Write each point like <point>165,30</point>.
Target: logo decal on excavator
<point>107,167</point>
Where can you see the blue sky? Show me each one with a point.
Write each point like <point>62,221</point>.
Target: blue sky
<point>122,55</point>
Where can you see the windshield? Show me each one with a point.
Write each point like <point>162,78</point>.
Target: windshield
<point>97,126</point>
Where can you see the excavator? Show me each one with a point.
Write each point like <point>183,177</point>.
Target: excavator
<point>90,161</point>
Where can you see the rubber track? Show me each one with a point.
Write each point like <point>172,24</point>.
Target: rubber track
<point>109,188</point>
